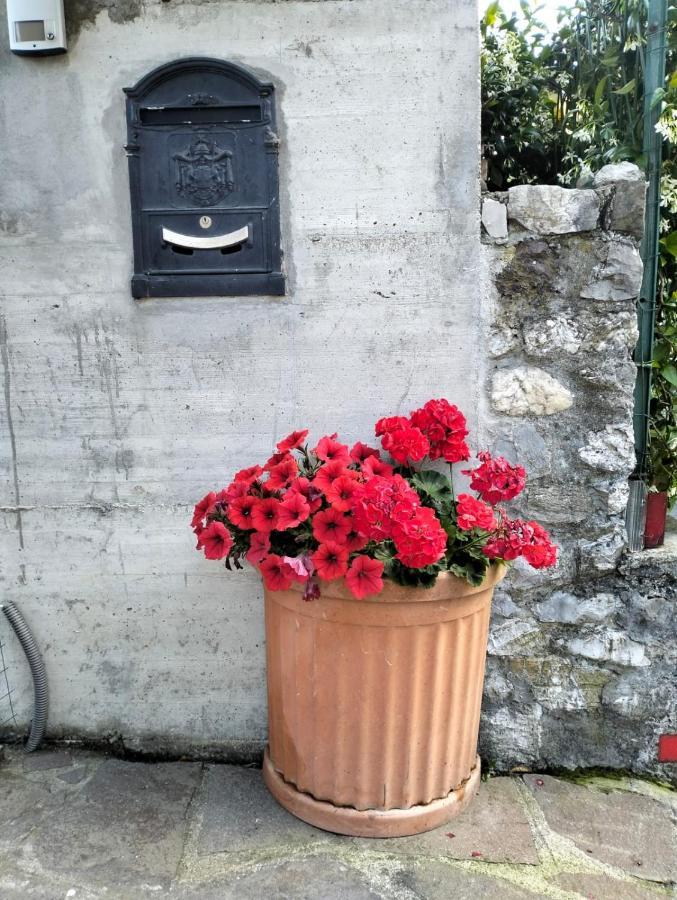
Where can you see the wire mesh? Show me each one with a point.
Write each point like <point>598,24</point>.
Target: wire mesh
<point>7,711</point>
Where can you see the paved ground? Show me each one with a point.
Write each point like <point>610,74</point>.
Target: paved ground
<point>83,826</point>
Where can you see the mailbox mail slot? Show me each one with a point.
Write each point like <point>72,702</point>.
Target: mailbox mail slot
<point>203,176</point>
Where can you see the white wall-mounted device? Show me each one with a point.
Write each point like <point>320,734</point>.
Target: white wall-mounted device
<point>36,27</point>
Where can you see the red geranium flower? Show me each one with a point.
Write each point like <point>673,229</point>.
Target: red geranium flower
<point>330,525</point>
<point>331,561</point>
<point>293,440</point>
<point>364,577</point>
<point>390,423</point>
<point>380,501</point>
<point>282,474</point>
<point>293,510</point>
<point>496,480</point>
<point>248,476</point>
<point>406,443</point>
<point>361,451</point>
<point>509,539</point>
<point>215,540</point>
<point>539,552</point>
<point>445,427</point>
<point>329,472</point>
<point>341,491</point>
<point>420,540</point>
<point>472,513</point>
<point>265,514</point>
<point>277,575</point>
<point>331,450</point>
<point>259,545</point>
<point>240,511</point>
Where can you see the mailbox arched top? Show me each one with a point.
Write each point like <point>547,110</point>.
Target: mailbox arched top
<point>178,69</point>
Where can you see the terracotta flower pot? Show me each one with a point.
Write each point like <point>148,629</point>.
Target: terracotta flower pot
<point>656,515</point>
<point>374,705</point>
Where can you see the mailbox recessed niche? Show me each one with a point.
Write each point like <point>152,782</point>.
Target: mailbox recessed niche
<point>203,177</point>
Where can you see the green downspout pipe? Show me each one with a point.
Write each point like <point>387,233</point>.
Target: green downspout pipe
<point>654,78</point>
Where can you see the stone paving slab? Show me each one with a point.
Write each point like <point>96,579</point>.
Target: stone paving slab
<point>313,878</point>
<point>633,832</point>
<point>493,828</point>
<point>125,826</point>
<point>435,880</point>
<point>106,829</point>
<point>238,814</point>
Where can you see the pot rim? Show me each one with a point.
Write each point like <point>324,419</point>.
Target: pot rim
<point>446,587</point>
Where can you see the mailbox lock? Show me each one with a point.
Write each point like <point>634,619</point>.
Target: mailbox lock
<point>205,222</point>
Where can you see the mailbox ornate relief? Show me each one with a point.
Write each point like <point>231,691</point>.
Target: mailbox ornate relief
<point>203,177</point>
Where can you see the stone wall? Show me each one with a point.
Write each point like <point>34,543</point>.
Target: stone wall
<point>582,658</point>
<point>118,415</point>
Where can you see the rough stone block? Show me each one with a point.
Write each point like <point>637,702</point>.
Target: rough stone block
<point>548,209</point>
<point>568,609</point>
<point>495,218</point>
<point>622,171</point>
<point>627,208</point>
<point>527,390</point>
<point>610,450</point>
<point>607,645</point>
<point>553,337</point>
<point>618,276</point>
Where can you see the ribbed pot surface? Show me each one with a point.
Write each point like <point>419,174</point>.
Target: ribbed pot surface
<point>375,704</point>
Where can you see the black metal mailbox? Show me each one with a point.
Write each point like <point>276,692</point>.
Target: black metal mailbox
<point>203,177</point>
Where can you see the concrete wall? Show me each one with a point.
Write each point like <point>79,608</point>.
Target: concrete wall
<point>118,415</point>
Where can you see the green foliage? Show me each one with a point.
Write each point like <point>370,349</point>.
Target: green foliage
<point>555,107</point>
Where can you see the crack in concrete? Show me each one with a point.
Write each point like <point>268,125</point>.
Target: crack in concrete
<point>4,353</point>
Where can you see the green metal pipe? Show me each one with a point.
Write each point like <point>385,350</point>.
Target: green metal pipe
<point>646,307</point>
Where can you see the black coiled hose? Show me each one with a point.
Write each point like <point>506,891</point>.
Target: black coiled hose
<point>34,657</point>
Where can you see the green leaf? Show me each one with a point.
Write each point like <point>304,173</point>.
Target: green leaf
<point>434,484</point>
<point>599,90</point>
<point>491,14</point>
<point>627,88</point>
<point>670,374</point>
<point>669,243</point>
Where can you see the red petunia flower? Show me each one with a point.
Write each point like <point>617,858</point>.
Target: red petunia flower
<point>361,451</point>
<point>248,476</point>
<point>259,546</point>
<point>240,511</point>
<point>355,541</point>
<point>277,575</point>
<point>331,450</point>
<point>374,465</point>
<point>496,480</point>
<point>364,577</point>
<point>275,460</point>
<point>282,474</point>
<point>201,508</point>
<point>472,513</point>
<point>265,514</point>
<point>406,444</point>
<point>331,525</point>
<point>293,510</point>
<point>215,540</point>
<point>308,490</point>
<point>329,472</point>
<point>331,561</point>
<point>292,441</point>
<point>341,491</point>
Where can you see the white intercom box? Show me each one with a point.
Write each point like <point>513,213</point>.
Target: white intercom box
<point>36,27</point>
